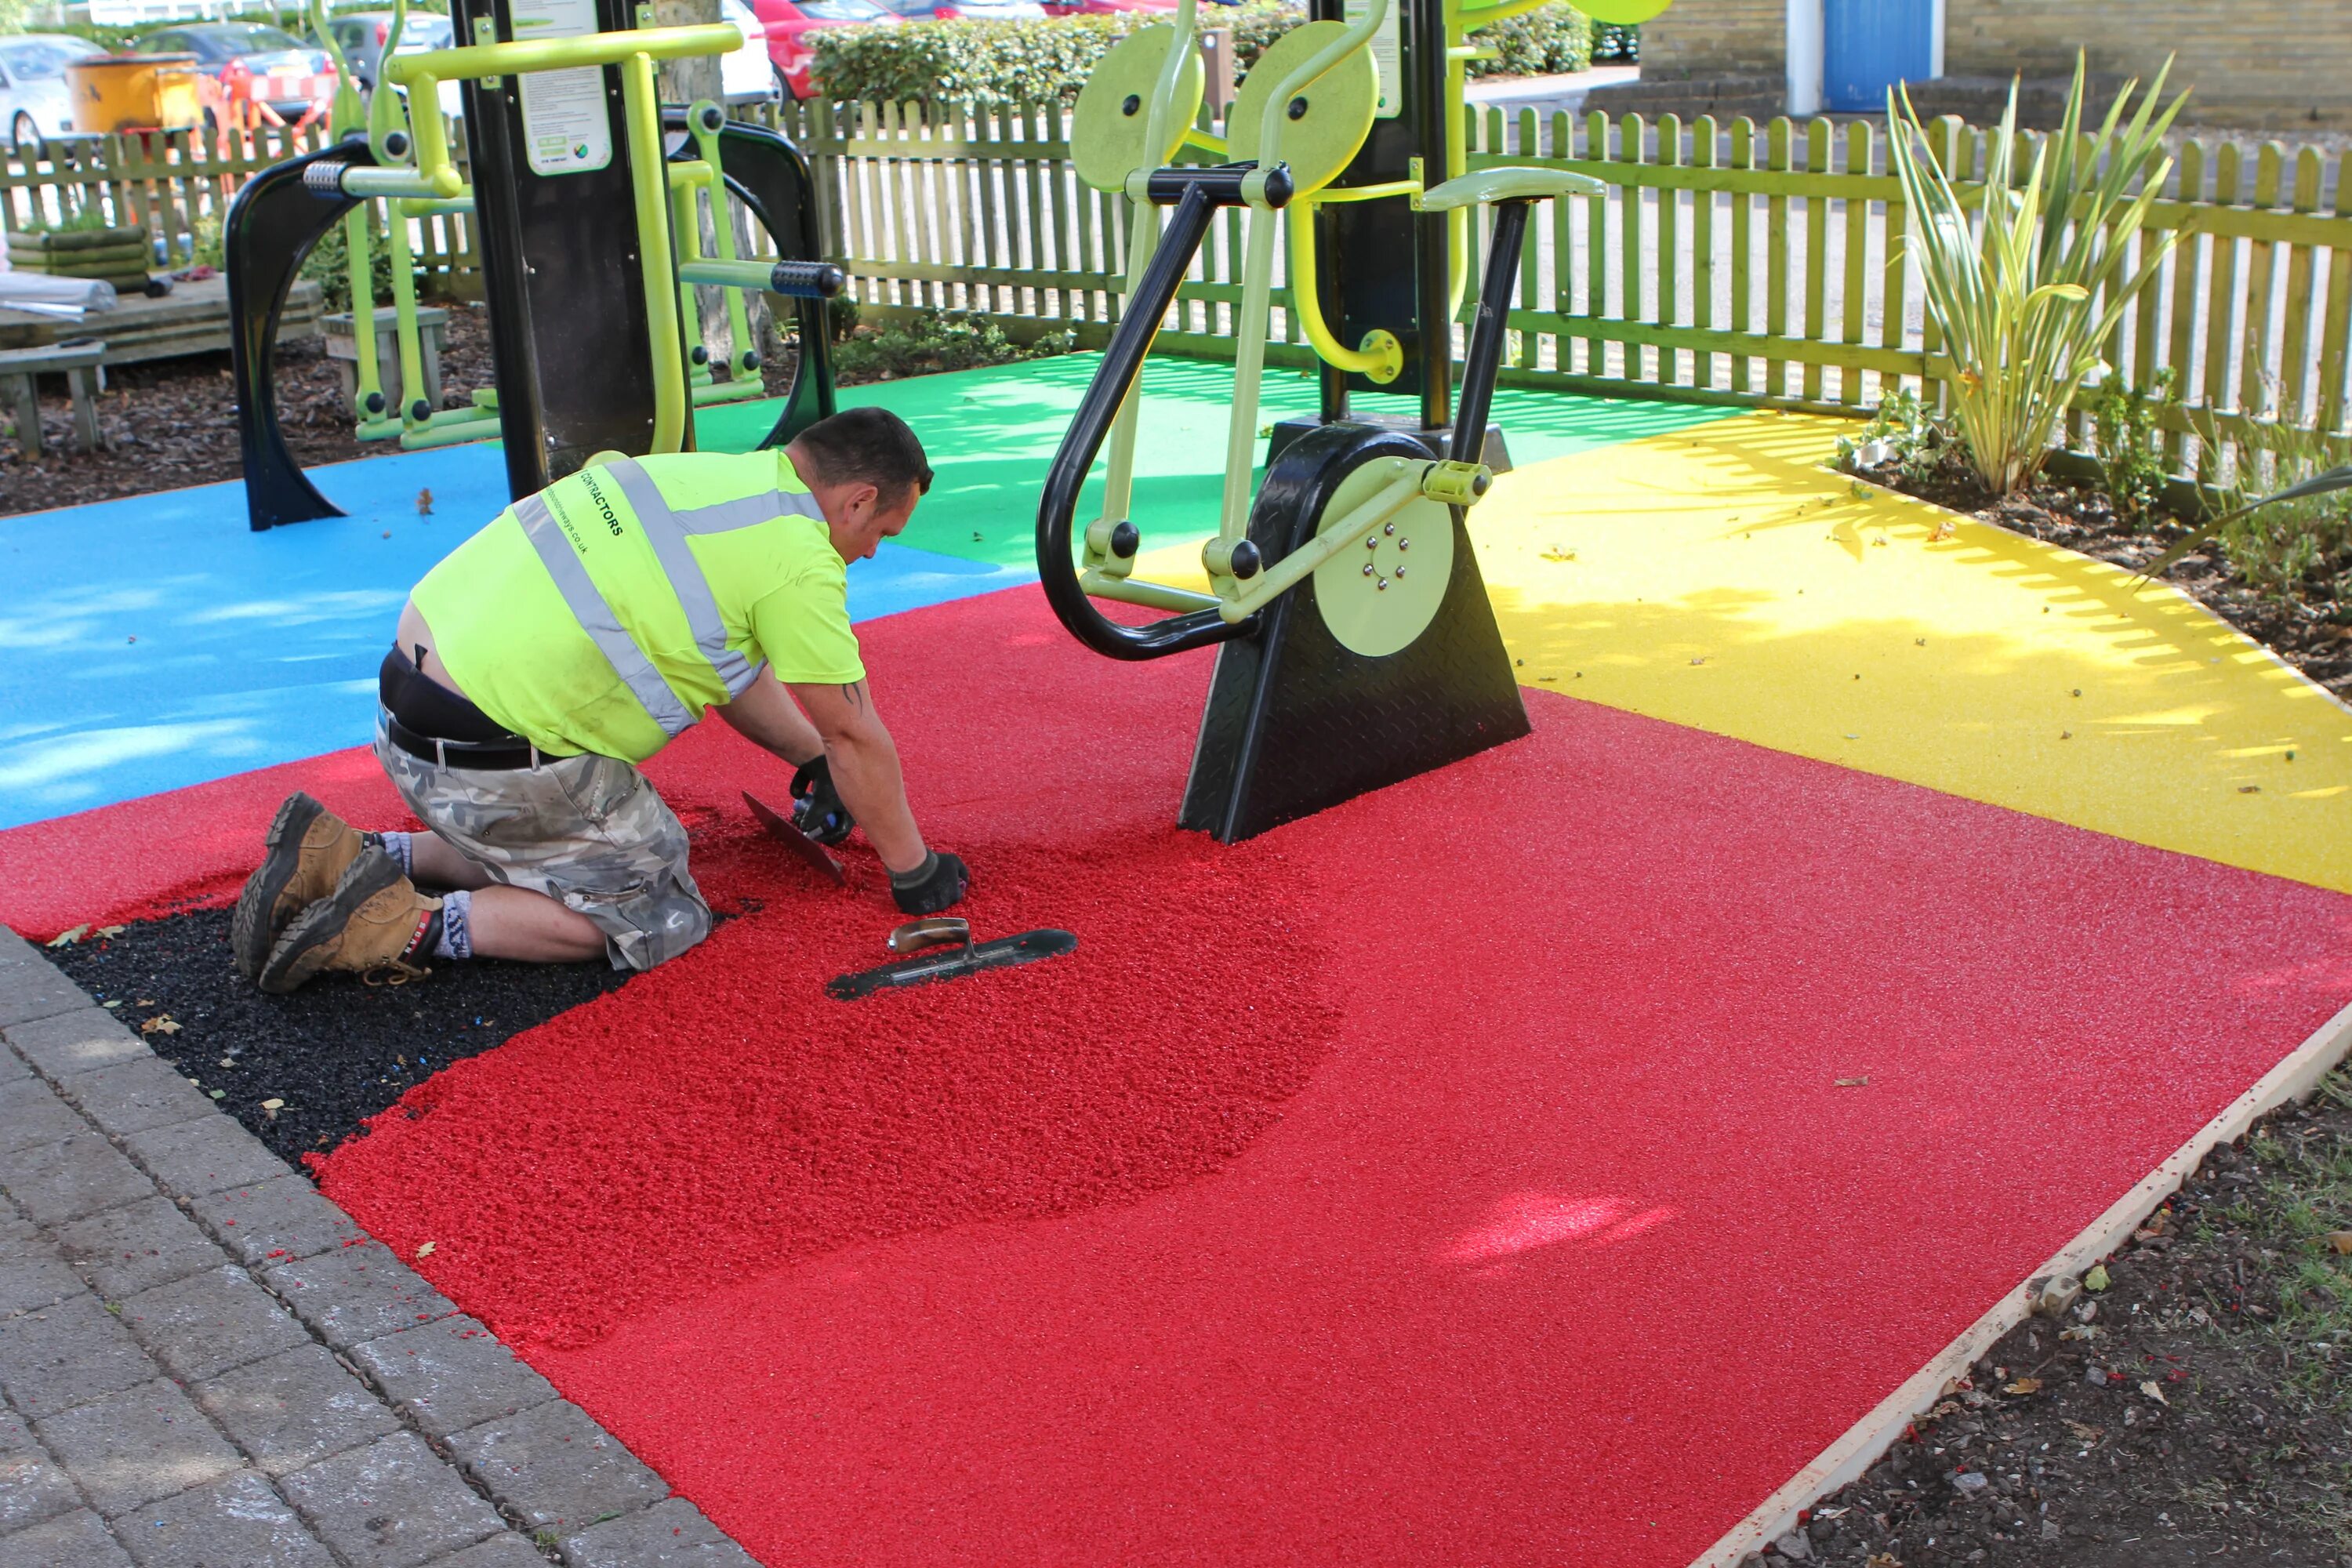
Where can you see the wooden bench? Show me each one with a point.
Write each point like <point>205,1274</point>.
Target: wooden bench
<point>82,366</point>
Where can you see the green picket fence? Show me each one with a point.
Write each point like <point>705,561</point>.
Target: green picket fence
<point>173,182</point>
<point>1753,264</point>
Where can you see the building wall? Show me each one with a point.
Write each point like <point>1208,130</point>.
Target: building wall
<point>1718,38</point>
<point>2268,64</point>
<point>2273,64</point>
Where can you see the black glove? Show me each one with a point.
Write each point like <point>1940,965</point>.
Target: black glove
<point>817,810</point>
<point>938,883</point>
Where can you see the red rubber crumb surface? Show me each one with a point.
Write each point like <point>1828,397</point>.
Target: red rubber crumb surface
<point>1523,1221</point>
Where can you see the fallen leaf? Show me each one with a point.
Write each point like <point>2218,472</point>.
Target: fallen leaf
<point>2250,789</point>
<point>425,1250</point>
<point>2086,1434</point>
<point>2023,1386</point>
<point>1853,1083</point>
<point>116,1002</point>
<point>110,931</point>
<point>2153,1392</point>
<point>217,1093</point>
<point>161,1024</point>
<point>2097,1279</point>
<point>68,937</point>
<point>2341,1241</point>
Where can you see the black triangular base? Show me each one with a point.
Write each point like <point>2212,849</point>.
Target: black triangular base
<point>1297,722</point>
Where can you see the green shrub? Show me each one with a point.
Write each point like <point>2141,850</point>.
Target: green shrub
<point>982,63</point>
<point>2127,438</point>
<point>1616,44</point>
<point>1555,39</point>
<point>2028,275</point>
<point>1904,438</point>
<point>994,63</point>
<point>935,340</point>
<point>2286,548</point>
<point>329,265</point>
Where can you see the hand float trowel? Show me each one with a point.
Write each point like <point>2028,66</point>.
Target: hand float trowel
<point>779,826</point>
<point>967,957</point>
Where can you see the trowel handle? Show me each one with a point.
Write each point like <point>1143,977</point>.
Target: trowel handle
<point>937,931</point>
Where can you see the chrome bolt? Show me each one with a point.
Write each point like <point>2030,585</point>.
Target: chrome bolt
<point>1371,542</point>
<point>1389,528</point>
<point>1404,544</point>
<point>1380,583</point>
<point>1368,568</point>
<point>1398,573</point>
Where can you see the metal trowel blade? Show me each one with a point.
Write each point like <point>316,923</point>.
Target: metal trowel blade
<point>953,965</point>
<point>781,826</point>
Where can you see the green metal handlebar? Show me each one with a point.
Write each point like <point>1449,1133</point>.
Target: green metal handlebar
<point>425,73</point>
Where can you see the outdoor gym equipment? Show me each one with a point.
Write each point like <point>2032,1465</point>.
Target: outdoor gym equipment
<point>1357,645</point>
<point>579,177</point>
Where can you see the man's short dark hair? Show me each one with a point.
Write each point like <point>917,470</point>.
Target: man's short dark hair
<point>866,446</point>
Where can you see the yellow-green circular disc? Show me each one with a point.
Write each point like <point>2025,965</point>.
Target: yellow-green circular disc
<point>1623,13</point>
<point>1381,612</point>
<point>1114,111</point>
<point>1334,111</point>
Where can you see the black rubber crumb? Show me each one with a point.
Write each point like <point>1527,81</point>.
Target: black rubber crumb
<point>336,1052</point>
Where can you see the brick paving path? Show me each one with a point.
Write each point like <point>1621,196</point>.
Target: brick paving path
<point>206,1364</point>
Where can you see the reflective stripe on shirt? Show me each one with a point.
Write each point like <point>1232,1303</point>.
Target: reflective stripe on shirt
<point>596,618</point>
<point>666,530</point>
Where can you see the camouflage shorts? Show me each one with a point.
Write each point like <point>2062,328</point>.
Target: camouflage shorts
<point>587,831</point>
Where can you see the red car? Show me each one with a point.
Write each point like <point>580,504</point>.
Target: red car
<point>788,23</point>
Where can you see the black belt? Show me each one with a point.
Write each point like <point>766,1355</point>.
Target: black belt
<point>516,752</point>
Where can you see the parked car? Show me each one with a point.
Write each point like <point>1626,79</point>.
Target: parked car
<point>33,97</point>
<point>1104,7</point>
<point>361,35</point>
<point>788,23</point>
<point>746,75</point>
<point>222,47</point>
<point>965,10</point>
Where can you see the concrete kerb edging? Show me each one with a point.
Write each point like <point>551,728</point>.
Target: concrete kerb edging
<point>1861,1445</point>
<point>644,1524</point>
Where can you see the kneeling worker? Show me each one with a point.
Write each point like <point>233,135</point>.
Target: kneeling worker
<point>564,644</point>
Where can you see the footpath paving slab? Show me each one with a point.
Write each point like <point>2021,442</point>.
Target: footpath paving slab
<point>204,1363</point>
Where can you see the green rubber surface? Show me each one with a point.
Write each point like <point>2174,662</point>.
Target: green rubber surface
<point>991,432</point>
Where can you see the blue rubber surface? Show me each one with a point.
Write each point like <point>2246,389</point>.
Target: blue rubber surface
<point>156,642</point>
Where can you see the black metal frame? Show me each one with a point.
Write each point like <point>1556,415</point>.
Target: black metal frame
<point>1197,195</point>
<point>272,222</point>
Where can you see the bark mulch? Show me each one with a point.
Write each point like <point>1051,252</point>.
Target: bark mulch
<point>172,423</point>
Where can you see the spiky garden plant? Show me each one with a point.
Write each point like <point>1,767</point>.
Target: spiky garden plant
<point>2026,287</point>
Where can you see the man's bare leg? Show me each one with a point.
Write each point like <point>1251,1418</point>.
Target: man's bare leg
<point>506,923</point>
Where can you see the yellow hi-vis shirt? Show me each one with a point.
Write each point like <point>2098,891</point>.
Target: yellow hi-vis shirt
<point>611,610</point>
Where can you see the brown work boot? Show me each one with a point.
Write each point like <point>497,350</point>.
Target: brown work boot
<point>375,923</point>
<point>309,847</point>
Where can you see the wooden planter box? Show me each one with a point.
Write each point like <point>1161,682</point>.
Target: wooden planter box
<point>117,256</point>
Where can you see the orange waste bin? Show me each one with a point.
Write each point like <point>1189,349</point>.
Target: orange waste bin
<point>134,92</point>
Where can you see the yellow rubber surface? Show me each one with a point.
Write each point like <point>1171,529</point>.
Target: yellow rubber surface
<point>1720,577</point>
